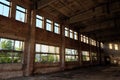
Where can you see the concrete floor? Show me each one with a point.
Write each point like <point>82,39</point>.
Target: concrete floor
<point>91,73</point>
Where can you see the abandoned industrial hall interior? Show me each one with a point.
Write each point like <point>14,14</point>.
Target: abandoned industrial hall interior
<point>59,39</point>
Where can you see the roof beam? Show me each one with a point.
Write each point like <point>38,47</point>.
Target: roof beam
<point>43,3</point>
<point>89,14</point>
<point>104,25</point>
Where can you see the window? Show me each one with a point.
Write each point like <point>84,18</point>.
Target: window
<point>110,46</point>
<point>49,25</point>
<point>47,54</point>
<point>11,51</point>
<point>75,35</point>
<point>116,46</point>
<point>5,8</point>
<point>85,56</point>
<point>56,28</point>
<point>97,44</point>
<point>39,21</point>
<point>81,38</point>
<point>71,34</point>
<point>87,41</point>
<point>71,55</point>
<point>66,32</point>
<point>20,14</point>
<point>94,56</point>
<point>102,45</point>
<point>93,42</point>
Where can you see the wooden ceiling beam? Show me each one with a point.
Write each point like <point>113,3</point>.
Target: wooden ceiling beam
<point>61,12</point>
<point>43,3</point>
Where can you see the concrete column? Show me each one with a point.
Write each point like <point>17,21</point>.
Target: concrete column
<point>30,46</point>
<point>13,9</point>
<point>79,50</point>
<point>90,52</point>
<point>62,55</point>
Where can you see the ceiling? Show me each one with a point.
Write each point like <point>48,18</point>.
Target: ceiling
<point>99,19</point>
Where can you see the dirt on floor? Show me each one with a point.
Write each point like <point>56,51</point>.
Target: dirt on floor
<point>90,73</point>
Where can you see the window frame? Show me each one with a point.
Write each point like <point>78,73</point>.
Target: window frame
<point>25,13</point>
<point>56,54</point>
<point>42,20</point>
<point>50,23</point>
<point>71,55</point>
<point>12,51</point>
<point>58,27</point>
<point>9,6</point>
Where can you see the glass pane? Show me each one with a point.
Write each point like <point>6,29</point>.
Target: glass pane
<point>39,23</point>
<point>56,24</point>
<point>44,58</point>
<point>4,10</point>
<point>5,2</point>
<point>71,34</point>
<point>57,50</point>
<point>20,16</point>
<point>37,58</point>
<point>21,9</point>
<point>6,44</point>
<point>49,21</point>
<point>18,45</point>
<point>48,27</point>
<point>39,17</point>
<point>44,48</point>
<point>56,30</point>
<point>37,48</point>
<point>66,33</point>
<point>51,49</point>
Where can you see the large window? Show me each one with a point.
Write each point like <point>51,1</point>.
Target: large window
<point>11,51</point>
<point>66,32</point>
<point>39,21</point>
<point>84,39</point>
<point>85,56</point>
<point>21,14</point>
<point>47,54</point>
<point>93,42</point>
<point>110,46</point>
<point>75,35</point>
<point>5,8</point>
<point>94,56</point>
<point>116,46</point>
<point>49,26</point>
<point>71,34</point>
<point>101,45</point>
<point>56,28</point>
<point>71,55</point>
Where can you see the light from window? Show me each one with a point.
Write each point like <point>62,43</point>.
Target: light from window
<point>56,28</point>
<point>102,45</point>
<point>75,36</point>
<point>85,56</point>
<point>49,25</point>
<point>71,55</point>
<point>66,32</point>
<point>20,14</point>
<point>11,51</point>
<point>81,38</point>
<point>4,8</point>
<point>116,46</point>
<point>110,46</point>
<point>47,54</point>
<point>71,34</point>
<point>94,56</point>
<point>39,21</point>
